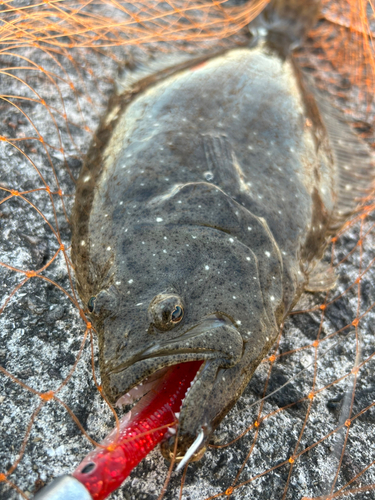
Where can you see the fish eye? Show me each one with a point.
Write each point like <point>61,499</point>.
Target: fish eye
<point>166,311</point>
<point>177,314</point>
<point>91,304</point>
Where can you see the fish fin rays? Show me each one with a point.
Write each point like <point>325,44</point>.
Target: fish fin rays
<point>354,163</point>
<point>150,69</point>
<point>353,159</point>
<point>321,279</point>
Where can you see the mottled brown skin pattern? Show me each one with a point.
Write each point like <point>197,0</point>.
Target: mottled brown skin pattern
<point>215,186</point>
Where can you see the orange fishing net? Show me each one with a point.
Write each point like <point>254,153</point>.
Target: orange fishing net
<point>311,437</point>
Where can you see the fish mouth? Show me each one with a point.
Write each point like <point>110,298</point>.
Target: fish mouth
<point>138,395</point>
<point>214,345</point>
<point>215,337</point>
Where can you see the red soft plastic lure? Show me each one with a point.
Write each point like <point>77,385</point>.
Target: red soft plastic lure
<point>104,469</point>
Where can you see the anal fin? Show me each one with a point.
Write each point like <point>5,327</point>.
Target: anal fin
<point>354,162</point>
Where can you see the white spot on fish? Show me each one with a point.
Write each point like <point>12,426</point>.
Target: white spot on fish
<point>83,243</point>
<point>87,178</point>
<point>164,251</point>
<point>159,219</point>
<point>118,282</point>
<point>238,322</point>
<point>234,297</point>
<point>130,281</point>
<point>248,258</point>
<point>207,268</point>
<point>231,240</point>
<point>108,249</point>
<point>267,254</point>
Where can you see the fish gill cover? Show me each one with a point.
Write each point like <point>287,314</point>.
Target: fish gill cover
<point>312,437</point>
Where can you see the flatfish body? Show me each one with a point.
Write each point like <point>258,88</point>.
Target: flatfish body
<point>207,199</point>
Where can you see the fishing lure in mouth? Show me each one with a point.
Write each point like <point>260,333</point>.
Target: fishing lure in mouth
<point>106,467</point>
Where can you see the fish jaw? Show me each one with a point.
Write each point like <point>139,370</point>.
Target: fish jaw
<point>215,341</point>
<point>229,361</point>
<point>215,337</point>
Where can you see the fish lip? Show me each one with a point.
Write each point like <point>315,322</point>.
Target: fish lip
<point>157,349</point>
<point>155,380</point>
<point>162,355</point>
<point>168,362</point>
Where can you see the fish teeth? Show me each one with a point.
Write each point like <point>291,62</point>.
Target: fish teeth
<point>126,399</point>
<point>191,385</point>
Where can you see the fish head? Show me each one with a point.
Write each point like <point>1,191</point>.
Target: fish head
<point>182,293</point>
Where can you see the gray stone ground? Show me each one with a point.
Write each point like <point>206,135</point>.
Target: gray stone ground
<point>41,333</point>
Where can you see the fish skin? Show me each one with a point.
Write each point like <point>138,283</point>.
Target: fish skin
<point>236,251</point>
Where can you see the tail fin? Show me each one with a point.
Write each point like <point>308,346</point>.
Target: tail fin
<point>289,20</point>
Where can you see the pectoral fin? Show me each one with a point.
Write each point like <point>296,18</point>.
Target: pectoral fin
<point>321,279</point>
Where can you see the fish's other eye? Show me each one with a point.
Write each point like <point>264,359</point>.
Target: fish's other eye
<point>177,314</point>
<point>166,311</point>
<point>91,304</point>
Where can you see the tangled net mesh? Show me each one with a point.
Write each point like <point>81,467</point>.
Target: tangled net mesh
<point>303,428</point>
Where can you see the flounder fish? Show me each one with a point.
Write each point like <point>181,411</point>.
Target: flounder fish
<point>206,202</point>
